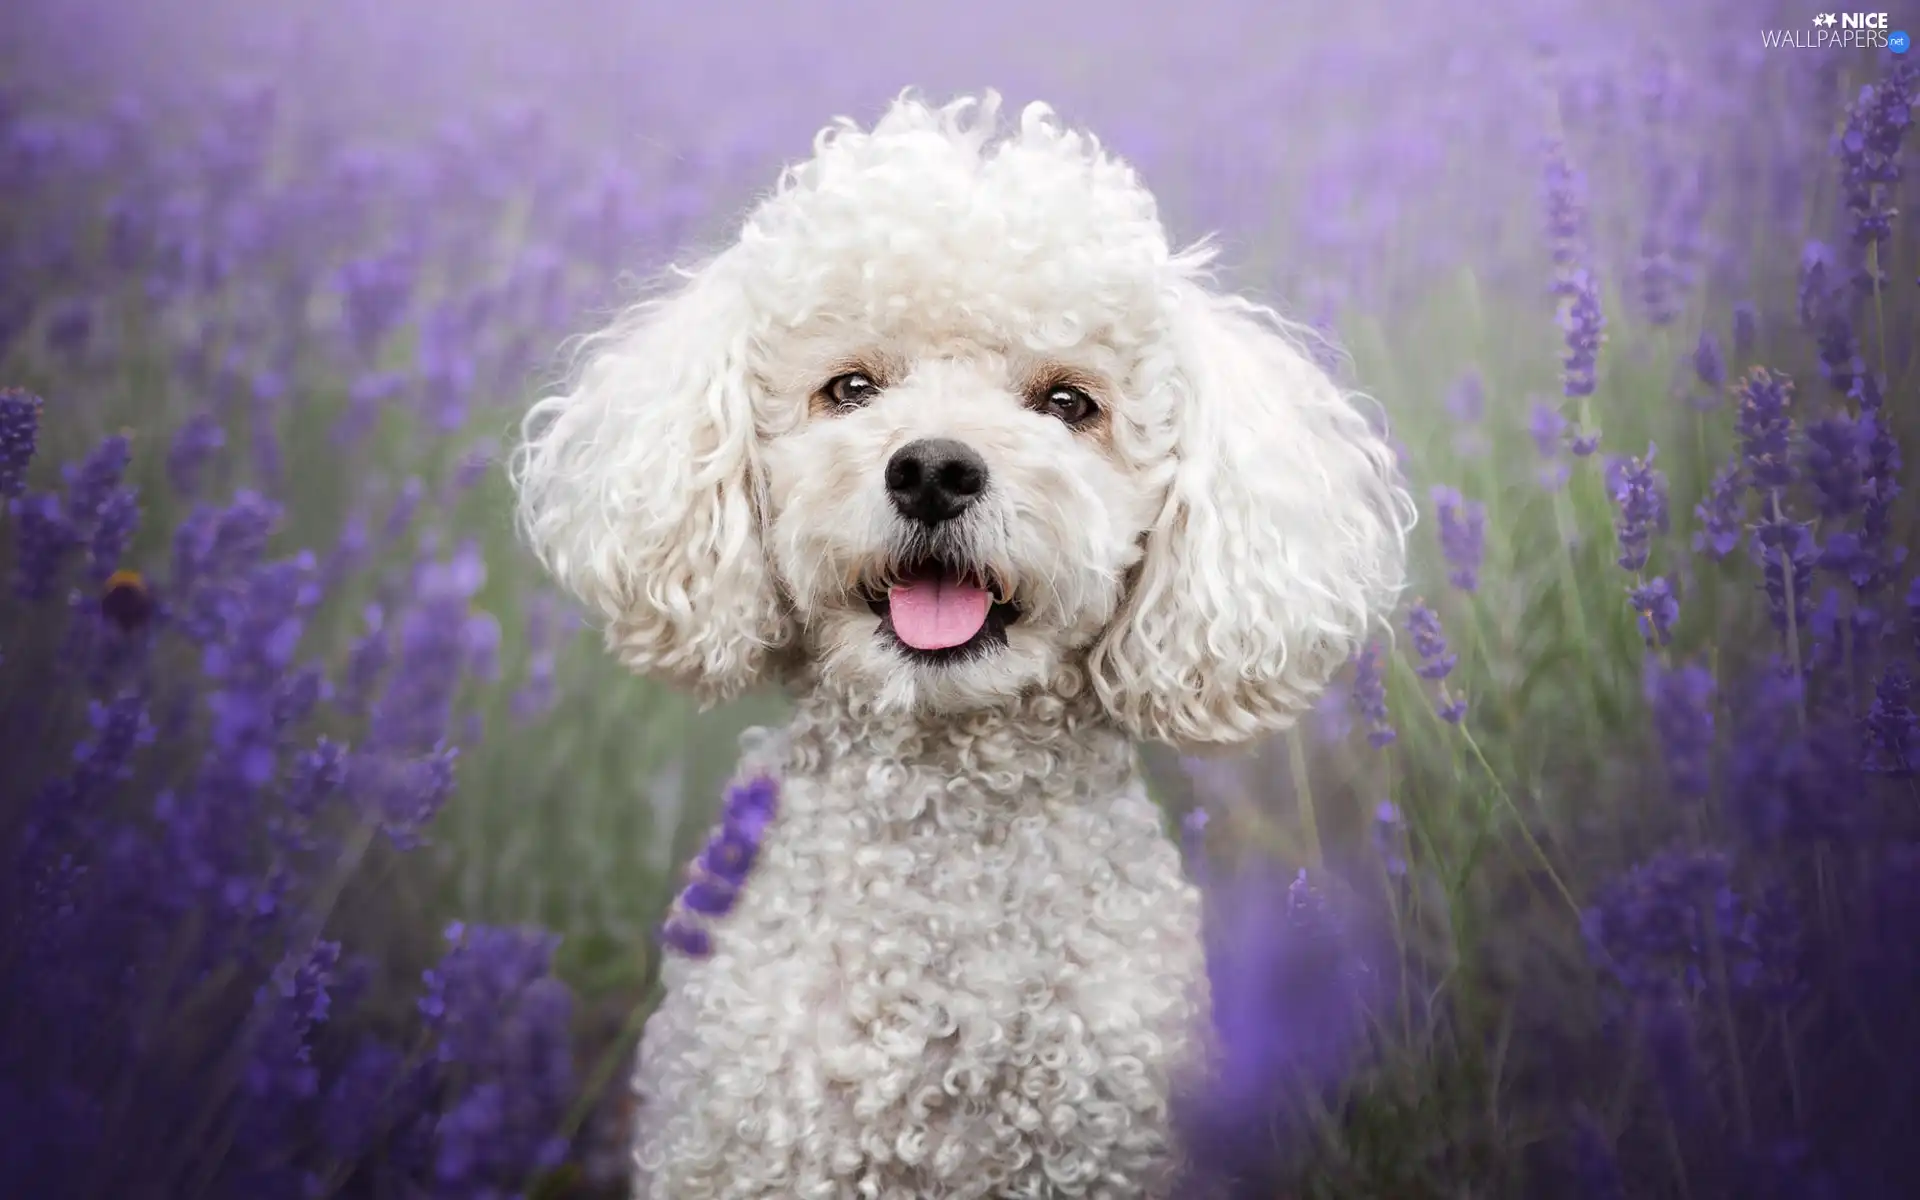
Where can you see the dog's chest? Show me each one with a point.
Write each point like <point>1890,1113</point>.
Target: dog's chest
<point>968,982</point>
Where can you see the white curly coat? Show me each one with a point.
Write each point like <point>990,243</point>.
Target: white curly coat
<point>967,963</point>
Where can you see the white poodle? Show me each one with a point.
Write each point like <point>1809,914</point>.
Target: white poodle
<point>950,444</point>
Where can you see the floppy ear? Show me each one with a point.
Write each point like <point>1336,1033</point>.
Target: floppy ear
<point>639,490</point>
<point>1281,541</point>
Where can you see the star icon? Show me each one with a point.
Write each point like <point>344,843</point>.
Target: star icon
<point>1827,19</point>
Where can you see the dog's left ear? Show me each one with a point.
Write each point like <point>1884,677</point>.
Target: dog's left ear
<point>1281,540</point>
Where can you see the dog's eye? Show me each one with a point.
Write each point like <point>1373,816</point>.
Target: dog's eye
<point>850,390</point>
<point>1070,404</point>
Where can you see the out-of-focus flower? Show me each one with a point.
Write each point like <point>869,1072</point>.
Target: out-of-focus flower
<point>1389,831</point>
<point>1892,730</point>
<point>1292,986</point>
<point>1792,772</point>
<point>19,434</point>
<point>1436,661</point>
<point>197,441</point>
<point>502,1029</point>
<point>1746,329</point>
<point>1681,699</point>
<point>1549,432</point>
<point>1463,536</point>
<point>1466,403</point>
<point>720,872</point>
<point>1660,928</point>
<point>1193,841</point>
<point>1721,513</point>
<point>1709,366</point>
<point>1370,696</point>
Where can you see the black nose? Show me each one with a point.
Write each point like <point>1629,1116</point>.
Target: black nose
<point>935,479</point>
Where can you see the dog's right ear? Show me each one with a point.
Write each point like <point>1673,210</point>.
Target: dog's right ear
<point>639,488</point>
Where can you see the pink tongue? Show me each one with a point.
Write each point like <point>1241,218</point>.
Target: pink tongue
<point>937,614</point>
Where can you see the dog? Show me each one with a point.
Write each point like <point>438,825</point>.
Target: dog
<point>950,444</point>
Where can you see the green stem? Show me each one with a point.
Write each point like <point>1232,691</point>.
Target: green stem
<point>1546,864</point>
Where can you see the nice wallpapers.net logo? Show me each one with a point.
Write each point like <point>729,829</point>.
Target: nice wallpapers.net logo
<point>1840,31</point>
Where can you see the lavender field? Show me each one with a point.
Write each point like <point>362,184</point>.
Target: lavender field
<point>335,847</point>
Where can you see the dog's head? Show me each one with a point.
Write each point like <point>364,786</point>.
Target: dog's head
<point>950,421</point>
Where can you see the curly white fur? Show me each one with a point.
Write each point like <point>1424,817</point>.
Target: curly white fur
<point>967,964</point>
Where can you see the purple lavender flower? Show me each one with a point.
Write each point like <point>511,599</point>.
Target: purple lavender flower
<point>1709,366</point>
<point>1746,329</point>
<point>406,506</point>
<point>1292,986</point>
<point>1640,493</point>
<point>1869,153</point>
<point>367,661</point>
<point>375,293</point>
<point>213,548</point>
<point>1765,425</point>
<point>44,539</point>
<point>1429,642</point>
<point>1549,430</point>
<point>70,328</point>
<point>1333,712</point>
<point>196,442</point>
<point>1833,461</point>
<point>1785,552</point>
<point>1681,699</point>
<point>1584,325</point>
<point>502,1023</point>
<point>720,872</point>
<point>1370,696</point>
<point>1566,211</point>
<point>1826,311</point>
<point>1466,400</point>
<point>415,714</point>
<point>280,1071</point>
<point>1721,514</point>
<point>682,935</point>
<point>19,434</point>
<point>1436,662</point>
<point>482,636</point>
<point>1891,728</point>
<point>544,622</point>
<point>92,483</point>
<point>1793,772</point>
<point>1463,536</point>
<point>1872,558</point>
<point>1389,836</point>
<point>1651,928</point>
<point>1656,609</point>
<point>1466,403</point>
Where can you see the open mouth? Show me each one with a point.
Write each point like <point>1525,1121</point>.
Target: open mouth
<point>938,614</point>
